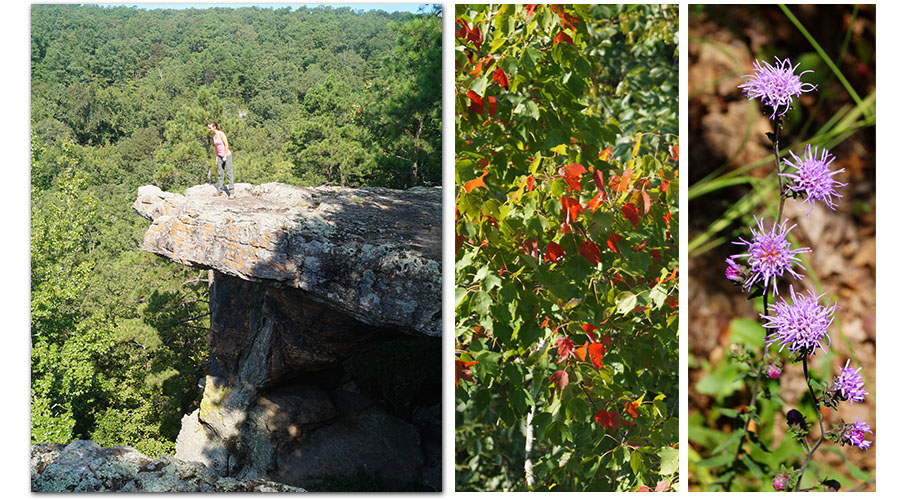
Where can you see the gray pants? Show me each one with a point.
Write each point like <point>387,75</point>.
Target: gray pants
<point>227,162</point>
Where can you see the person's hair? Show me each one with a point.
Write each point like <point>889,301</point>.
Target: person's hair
<point>214,124</point>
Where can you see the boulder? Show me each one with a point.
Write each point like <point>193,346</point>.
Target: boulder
<point>86,467</point>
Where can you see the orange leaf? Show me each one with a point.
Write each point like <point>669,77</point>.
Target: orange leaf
<point>501,78</point>
<point>571,208</point>
<point>625,181</point>
<point>673,150</point>
<point>477,70</point>
<point>589,251</point>
<point>581,352</point>
<point>595,202</point>
<point>546,321</point>
<point>529,10</point>
<point>475,183</point>
<point>572,175</point>
<point>529,183</point>
<point>562,37</point>
<point>463,371</point>
<point>553,252</point>
<point>631,213</point>
<point>631,408</point>
<point>667,218</point>
<point>604,155</point>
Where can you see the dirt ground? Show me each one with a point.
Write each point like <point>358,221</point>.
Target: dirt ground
<point>723,42</point>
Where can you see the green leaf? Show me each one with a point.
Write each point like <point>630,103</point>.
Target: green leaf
<point>626,302</point>
<point>668,461</point>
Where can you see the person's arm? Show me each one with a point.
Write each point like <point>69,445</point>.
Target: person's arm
<point>225,140</point>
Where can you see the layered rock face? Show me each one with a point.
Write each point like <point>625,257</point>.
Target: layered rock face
<point>324,335</point>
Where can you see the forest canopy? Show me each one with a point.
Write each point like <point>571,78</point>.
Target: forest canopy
<point>120,98</point>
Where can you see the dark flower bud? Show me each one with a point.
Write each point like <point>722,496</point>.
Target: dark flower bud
<point>831,485</point>
<point>795,420</point>
<point>781,481</point>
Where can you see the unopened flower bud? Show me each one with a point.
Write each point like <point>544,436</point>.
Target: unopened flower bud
<point>773,369</point>
<point>795,420</point>
<point>736,349</point>
<point>831,485</point>
<point>781,481</point>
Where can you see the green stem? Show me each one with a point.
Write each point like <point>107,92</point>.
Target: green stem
<point>821,424</point>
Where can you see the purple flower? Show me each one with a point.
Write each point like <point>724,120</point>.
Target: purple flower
<point>775,86</point>
<point>801,326</point>
<point>849,384</point>
<point>769,254</point>
<point>854,434</point>
<point>813,177</point>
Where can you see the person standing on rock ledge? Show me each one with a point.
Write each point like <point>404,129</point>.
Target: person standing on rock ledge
<point>223,159</point>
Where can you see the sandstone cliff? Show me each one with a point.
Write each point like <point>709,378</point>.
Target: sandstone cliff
<point>324,334</point>
<point>324,341</point>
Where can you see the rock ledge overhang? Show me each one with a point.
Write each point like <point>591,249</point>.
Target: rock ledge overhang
<point>373,253</point>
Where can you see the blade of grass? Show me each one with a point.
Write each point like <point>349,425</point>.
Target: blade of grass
<point>821,53</point>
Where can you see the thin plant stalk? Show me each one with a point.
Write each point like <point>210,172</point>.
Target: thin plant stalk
<point>821,424</point>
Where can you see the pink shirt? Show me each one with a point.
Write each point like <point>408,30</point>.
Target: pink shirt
<point>220,145</point>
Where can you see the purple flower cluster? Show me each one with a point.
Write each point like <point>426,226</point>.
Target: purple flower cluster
<point>802,326</point>
<point>813,177</point>
<point>769,255</point>
<point>855,434</point>
<point>775,86</point>
<point>849,384</point>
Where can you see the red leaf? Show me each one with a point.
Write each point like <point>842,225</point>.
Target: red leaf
<point>646,201</point>
<point>598,180</point>
<point>477,105</point>
<point>529,10</point>
<point>572,175</point>
<point>474,36</point>
<point>565,347</point>
<point>672,302</point>
<point>643,489</point>
<point>484,162</point>
<point>530,184</point>
<point>605,340</point>
<point>492,106</point>
<point>664,187</point>
<point>463,371</point>
<point>501,78</point>
<point>571,208</point>
<point>667,218</point>
<point>546,321</point>
<point>553,252</point>
<point>475,183</point>
<point>596,351</point>
<point>560,379</point>
<point>631,409</point>
<point>631,213</point>
<point>605,419</point>
<point>589,330</point>
<point>673,150</point>
<point>563,37</point>
<point>589,251</point>
<point>662,486</point>
<point>605,154</point>
<point>611,242</point>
